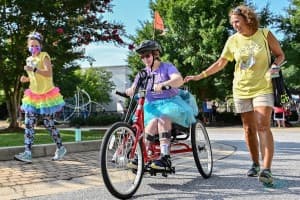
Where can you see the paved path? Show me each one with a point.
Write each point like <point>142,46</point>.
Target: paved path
<point>78,175</point>
<point>76,171</point>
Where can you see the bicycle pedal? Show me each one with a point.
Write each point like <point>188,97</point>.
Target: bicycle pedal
<point>167,171</point>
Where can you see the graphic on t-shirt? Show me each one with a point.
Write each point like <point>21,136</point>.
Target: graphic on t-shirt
<point>248,55</point>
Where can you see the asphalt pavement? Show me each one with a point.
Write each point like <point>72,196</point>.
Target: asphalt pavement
<point>78,176</point>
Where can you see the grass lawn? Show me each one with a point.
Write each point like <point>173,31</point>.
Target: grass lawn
<point>43,137</point>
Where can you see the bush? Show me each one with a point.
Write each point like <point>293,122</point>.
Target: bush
<point>102,119</point>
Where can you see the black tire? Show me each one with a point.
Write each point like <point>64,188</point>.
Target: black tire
<point>119,179</point>
<point>201,149</point>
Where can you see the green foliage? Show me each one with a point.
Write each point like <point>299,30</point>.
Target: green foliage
<point>96,82</point>
<point>196,33</point>
<point>292,77</point>
<point>43,137</point>
<point>290,25</point>
<point>96,120</point>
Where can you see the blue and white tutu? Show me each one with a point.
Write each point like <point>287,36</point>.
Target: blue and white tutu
<point>180,109</point>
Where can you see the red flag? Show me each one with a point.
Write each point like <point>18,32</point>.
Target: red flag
<point>158,22</point>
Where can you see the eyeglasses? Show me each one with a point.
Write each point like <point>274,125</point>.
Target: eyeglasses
<point>145,56</point>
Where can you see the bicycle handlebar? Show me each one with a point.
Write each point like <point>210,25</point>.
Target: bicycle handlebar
<point>123,94</point>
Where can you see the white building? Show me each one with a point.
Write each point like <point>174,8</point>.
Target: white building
<point>120,77</point>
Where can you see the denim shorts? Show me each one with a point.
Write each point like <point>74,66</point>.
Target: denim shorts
<point>247,105</point>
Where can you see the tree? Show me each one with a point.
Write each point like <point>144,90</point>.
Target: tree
<point>67,26</point>
<point>96,82</point>
<point>196,33</point>
<point>290,25</point>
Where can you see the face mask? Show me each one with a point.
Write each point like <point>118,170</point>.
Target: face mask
<point>34,50</point>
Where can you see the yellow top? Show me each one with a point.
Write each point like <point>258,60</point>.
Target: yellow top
<point>39,84</point>
<point>251,75</point>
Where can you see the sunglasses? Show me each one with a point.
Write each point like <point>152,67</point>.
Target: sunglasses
<point>145,56</point>
<point>238,11</point>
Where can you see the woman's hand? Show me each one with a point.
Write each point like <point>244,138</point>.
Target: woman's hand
<point>274,71</point>
<point>190,78</point>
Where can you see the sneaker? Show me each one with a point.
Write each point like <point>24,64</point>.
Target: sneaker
<point>133,164</point>
<point>254,171</point>
<point>59,153</point>
<point>24,157</point>
<point>162,164</point>
<point>266,177</point>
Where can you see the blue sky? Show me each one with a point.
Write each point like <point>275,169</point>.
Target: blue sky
<point>131,13</point>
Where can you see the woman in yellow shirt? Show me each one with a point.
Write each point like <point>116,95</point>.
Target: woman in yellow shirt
<point>42,97</point>
<point>252,85</point>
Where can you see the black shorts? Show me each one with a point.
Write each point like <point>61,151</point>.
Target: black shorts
<point>279,115</point>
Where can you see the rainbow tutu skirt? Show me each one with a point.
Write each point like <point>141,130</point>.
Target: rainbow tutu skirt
<point>43,104</point>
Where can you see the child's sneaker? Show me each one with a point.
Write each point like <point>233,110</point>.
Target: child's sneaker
<point>24,157</point>
<point>266,177</point>
<point>59,153</point>
<point>164,163</point>
<point>133,164</point>
<point>254,170</point>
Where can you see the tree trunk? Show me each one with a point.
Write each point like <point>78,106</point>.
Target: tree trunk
<point>13,98</point>
<point>12,107</point>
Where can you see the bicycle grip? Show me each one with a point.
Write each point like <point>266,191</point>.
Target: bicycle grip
<point>122,94</point>
<point>165,87</point>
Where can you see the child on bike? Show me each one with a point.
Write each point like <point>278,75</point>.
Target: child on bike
<point>162,107</point>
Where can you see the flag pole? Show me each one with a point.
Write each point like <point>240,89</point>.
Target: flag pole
<point>153,36</point>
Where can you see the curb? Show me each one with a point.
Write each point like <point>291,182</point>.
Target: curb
<point>44,150</point>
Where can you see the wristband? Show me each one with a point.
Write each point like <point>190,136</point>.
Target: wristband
<point>204,74</point>
<point>34,69</point>
<point>274,66</point>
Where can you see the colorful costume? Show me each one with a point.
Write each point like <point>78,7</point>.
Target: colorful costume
<point>177,105</point>
<point>42,98</point>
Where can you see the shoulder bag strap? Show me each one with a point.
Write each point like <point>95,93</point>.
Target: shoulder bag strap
<point>267,46</point>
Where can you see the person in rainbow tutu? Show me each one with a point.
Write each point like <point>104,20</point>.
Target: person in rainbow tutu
<point>42,98</point>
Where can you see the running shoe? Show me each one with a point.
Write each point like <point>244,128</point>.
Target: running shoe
<point>59,153</point>
<point>133,164</point>
<point>164,163</point>
<point>266,177</point>
<point>254,170</point>
<point>24,157</point>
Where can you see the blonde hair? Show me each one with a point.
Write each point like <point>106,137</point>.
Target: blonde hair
<point>248,14</point>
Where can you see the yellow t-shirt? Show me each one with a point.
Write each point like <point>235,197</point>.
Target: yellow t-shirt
<point>251,73</point>
<point>39,84</point>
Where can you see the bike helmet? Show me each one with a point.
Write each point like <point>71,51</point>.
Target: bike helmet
<point>148,45</point>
